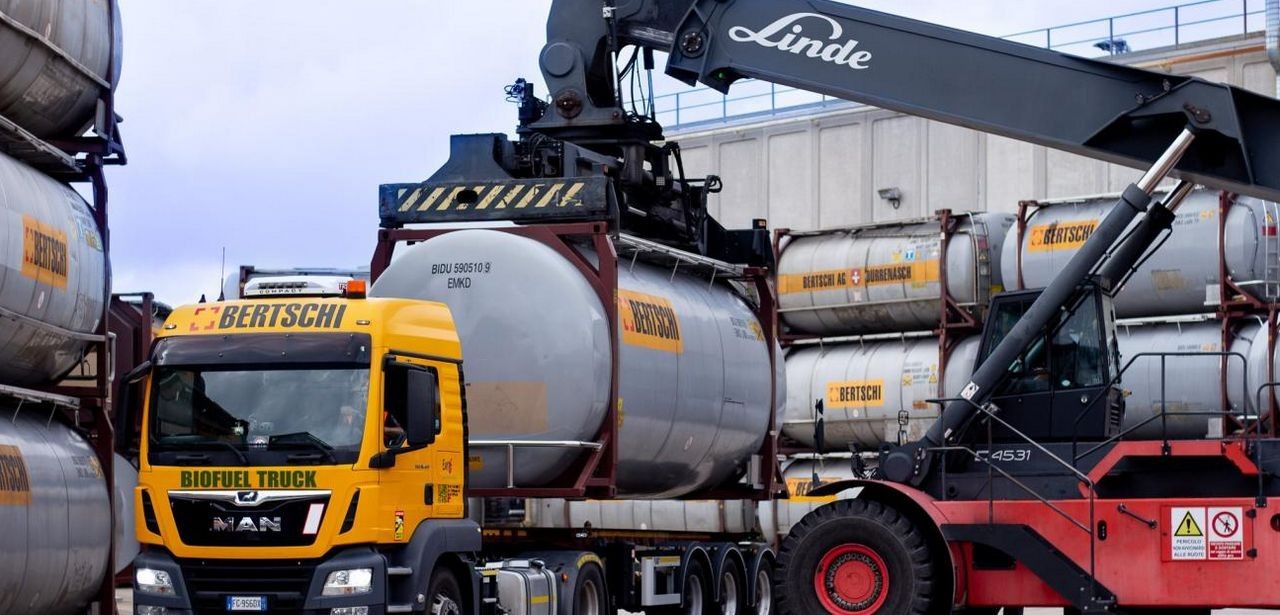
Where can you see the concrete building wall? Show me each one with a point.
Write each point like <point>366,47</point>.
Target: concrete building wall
<point>824,169</point>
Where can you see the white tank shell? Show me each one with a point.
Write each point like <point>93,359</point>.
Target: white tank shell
<point>863,302</point>
<point>1191,392</point>
<point>41,91</point>
<point>58,531</point>
<point>536,350</point>
<point>904,372</point>
<point>52,272</point>
<point>1181,277</point>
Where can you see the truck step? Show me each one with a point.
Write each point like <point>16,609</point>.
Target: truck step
<point>399,571</point>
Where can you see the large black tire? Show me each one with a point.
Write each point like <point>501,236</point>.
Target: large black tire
<point>854,557</point>
<point>589,594</point>
<point>444,595</point>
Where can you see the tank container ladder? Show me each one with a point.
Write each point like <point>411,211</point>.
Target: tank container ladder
<point>1090,598</point>
<point>1271,244</point>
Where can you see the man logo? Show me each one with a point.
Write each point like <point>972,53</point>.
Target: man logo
<point>246,524</point>
<point>246,497</point>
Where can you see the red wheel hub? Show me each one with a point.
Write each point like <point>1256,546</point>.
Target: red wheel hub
<point>851,579</point>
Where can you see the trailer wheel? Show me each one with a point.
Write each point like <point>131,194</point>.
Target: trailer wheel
<point>764,589</point>
<point>589,596</point>
<point>695,599</point>
<point>855,557</point>
<point>733,590</point>
<point>444,595</point>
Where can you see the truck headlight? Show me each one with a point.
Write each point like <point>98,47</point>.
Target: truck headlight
<point>152,581</point>
<point>350,582</point>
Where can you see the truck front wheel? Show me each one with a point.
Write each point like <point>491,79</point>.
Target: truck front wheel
<point>444,596</point>
<point>854,557</point>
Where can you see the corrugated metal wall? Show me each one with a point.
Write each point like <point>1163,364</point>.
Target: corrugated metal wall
<point>824,170</point>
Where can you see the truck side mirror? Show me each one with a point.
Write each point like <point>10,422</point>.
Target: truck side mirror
<point>126,409</point>
<point>422,400</point>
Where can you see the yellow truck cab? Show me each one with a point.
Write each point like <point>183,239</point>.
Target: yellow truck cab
<point>303,450</point>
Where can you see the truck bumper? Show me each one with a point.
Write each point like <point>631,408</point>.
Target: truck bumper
<point>289,586</point>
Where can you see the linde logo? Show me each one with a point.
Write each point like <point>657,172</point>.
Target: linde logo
<point>787,34</point>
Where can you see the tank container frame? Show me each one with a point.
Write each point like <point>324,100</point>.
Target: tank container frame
<point>1234,307</point>
<point>81,159</point>
<point>956,322</point>
<point>595,476</point>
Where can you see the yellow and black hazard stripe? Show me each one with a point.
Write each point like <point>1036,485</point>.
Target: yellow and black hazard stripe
<point>525,195</point>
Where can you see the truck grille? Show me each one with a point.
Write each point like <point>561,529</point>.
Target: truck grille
<point>284,583</point>
<point>278,525</point>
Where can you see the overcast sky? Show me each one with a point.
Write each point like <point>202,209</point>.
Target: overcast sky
<point>266,127</point>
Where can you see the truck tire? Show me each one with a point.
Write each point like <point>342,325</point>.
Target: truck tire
<point>854,557</point>
<point>764,589</point>
<point>589,596</point>
<point>733,590</point>
<point>444,595</point>
<point>696,598</point>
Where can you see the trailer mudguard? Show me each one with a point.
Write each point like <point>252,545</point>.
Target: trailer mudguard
<point>764,556</point>
<point>432,539</point>
<point>916,505</point>
<point>720,557</point>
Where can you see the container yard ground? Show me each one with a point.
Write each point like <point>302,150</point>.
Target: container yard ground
<point>124,604</point>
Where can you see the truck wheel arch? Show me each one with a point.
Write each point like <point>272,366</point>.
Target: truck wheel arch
<point>764,557</point>
<point>917,507</point>
<point>726,554</point>
<point>700,554</point>
<point>437,542</point>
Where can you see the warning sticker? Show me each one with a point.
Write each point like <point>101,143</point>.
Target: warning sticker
<point>1200,533</point>
<point>1187,541</point>
<point>1226,533</point>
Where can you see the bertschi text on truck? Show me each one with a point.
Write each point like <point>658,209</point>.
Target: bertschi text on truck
<point>321,433</point>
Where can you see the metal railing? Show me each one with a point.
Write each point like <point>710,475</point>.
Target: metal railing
<point>1105,37</point>
<point>511,446</point>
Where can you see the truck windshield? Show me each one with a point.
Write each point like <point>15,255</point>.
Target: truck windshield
<point>233,412</point>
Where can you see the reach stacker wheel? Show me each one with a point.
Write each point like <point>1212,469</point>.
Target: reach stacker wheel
<point>854,557</point>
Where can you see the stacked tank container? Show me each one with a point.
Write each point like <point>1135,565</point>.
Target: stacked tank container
<point>863,308</point>
<point>1222,257</point>
<point>58,63</point>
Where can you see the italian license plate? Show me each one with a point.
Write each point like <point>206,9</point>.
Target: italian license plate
<point>247,603</point>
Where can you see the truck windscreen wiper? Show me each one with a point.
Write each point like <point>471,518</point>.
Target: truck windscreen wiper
<point>305,438</point>
<point>206,444</point>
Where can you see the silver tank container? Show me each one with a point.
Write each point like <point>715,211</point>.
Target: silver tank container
<point>883,278</point>
<point>1179,278</point>
<point>52,276</point>
<point>1191,390</point>
<point>39,89</point>
<point>865,386</point>
<point>694,368</point>
<point>55,514</point>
